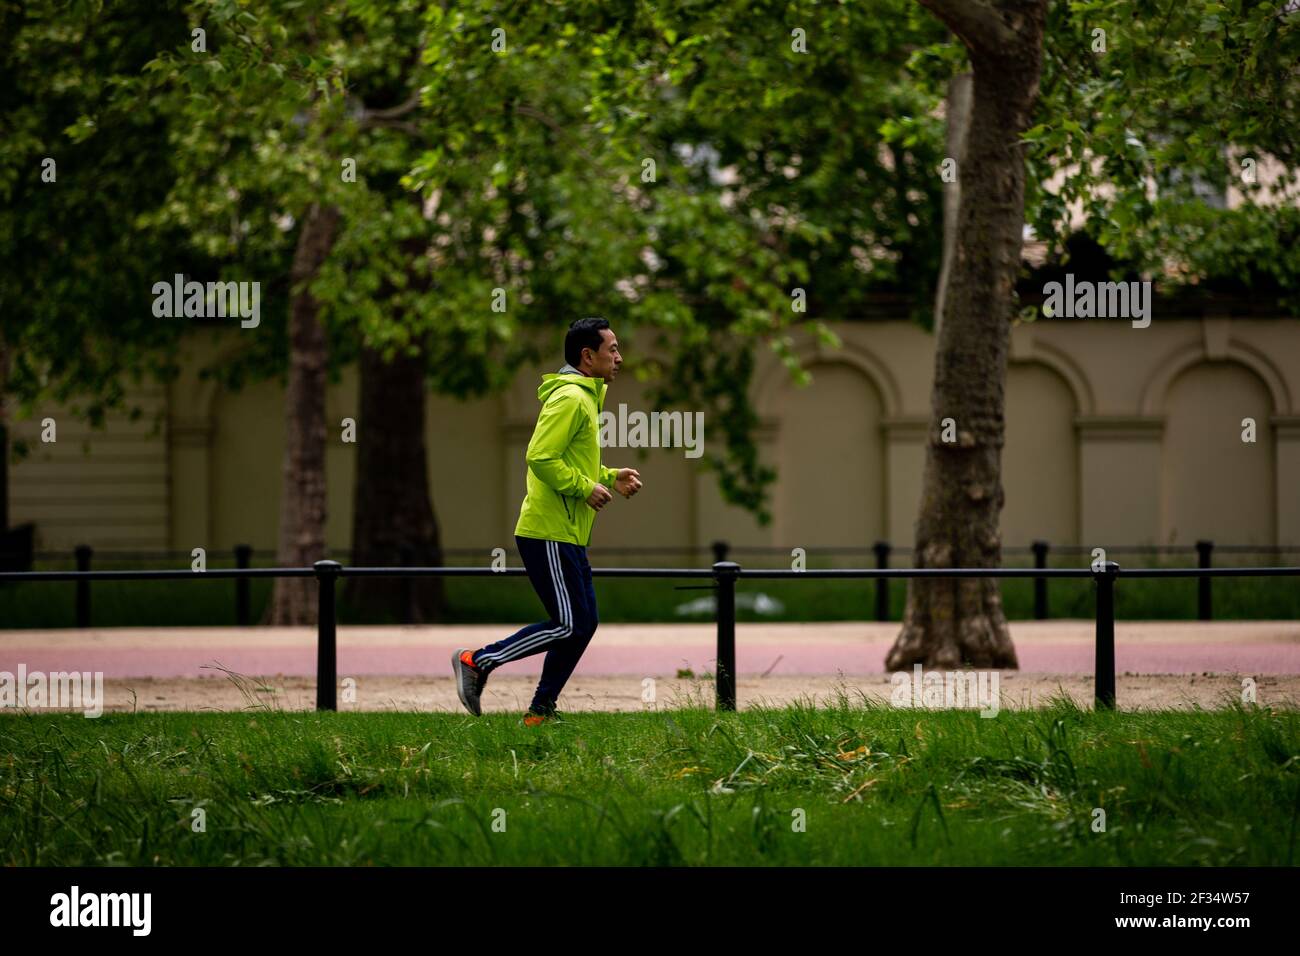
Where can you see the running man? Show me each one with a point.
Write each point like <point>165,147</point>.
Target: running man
<point>567,485</point>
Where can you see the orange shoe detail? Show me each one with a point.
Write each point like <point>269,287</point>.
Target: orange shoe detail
<point>467,658</point>
<point>532,720</point>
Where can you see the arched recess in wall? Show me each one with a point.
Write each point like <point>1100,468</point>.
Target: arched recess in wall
<point>1156,390</point>
<point>474,456</point>
<point>830,489</point>
<point>772,379</point>
<point>1213,484</point>
<point>1040,459</point>
<point>246,462</point>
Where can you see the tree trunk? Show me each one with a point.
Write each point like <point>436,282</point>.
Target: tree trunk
<point>302,491</point>
<point>392,520</point>
<point>958,117</point>
<point>4,441</point>
<point>954,622</point>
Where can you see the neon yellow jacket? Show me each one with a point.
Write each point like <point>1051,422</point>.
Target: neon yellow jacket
<point>564,460</point>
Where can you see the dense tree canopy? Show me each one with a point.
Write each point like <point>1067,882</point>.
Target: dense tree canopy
<point>503,161</point>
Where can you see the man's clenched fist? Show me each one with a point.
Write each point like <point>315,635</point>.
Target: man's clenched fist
<point>628,482</point>
<point>599,497</point>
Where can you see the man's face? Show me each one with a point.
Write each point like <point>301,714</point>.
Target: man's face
<point>606,360</point>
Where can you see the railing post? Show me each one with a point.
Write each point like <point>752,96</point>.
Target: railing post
<point>720,550</point>
<point>1204,551</point>
<point>243,559</point>
<point>408,584</point>
<point>1040,584</point>
<point>327,573</point>
<point>83,552</point>
<point>882,584</point>
<point>1104,677</point>
<point>724,576</point>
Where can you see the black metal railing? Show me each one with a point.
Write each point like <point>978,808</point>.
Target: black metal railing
<point>1204,551</point>
<point>725,574</point>
<point>721,552</point>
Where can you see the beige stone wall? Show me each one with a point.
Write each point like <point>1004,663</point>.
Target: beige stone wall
<point>1115,436</point>
<point>108,487</point>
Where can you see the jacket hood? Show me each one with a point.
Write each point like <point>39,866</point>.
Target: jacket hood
<point>570,376</point>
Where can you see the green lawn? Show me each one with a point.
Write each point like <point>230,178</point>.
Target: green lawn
<point>690,786</point>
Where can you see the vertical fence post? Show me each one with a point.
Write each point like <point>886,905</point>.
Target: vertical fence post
<point>720,550</point>
<point>1040,584</point>
<point>408,584</point>
<point>243,559</point>
<point>327,573</point>
<point>1104,678</point>
<point>882,584</point>
<point>1204,552</point>
<point>83,552</point>
<point>724,576</point>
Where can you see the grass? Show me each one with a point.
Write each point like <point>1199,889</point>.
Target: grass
<point>497,600</point>
<point>872,786</point>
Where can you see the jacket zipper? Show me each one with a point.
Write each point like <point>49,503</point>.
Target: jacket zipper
<point>566,506</point>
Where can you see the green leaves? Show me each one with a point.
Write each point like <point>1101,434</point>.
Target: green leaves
<point>522,171</point>
<point>78,265</point>
<point>81,130</point>
<point>1178,85</point>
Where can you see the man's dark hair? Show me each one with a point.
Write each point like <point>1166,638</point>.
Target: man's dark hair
<point>583,334</point>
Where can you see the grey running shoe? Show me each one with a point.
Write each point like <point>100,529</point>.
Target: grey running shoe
<point>469,680</point>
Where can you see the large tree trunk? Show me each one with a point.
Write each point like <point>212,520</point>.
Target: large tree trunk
<point>16,544</point>
<point>392,520</point>
<point>302,491</point>
<point>958,118</point>
<point>952,622</point>
<point>4,441</point>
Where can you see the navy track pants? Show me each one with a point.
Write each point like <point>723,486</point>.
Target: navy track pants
<point>561,577</point>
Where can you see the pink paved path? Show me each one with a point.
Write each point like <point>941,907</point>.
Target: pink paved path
<point>1051,647</point>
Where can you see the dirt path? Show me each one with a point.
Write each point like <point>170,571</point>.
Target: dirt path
<point>1160,664</point>
<point>513,693</point>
